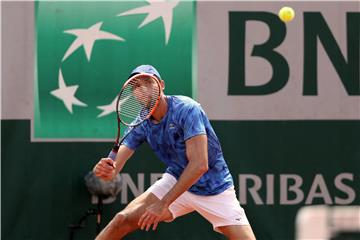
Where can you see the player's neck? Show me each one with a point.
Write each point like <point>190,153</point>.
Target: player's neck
<point>161,110</point>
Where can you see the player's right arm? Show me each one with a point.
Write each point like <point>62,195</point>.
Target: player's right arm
<point>107,168</point>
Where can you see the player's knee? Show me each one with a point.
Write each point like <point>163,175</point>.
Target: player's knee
<point>133,220</point>
<point>119,218</point>
<point>128,220</point>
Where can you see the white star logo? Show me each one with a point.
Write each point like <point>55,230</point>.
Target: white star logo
<point>107,109</point>
<point>155,10</point>
<point>67,94</point>
<point>87,37</point>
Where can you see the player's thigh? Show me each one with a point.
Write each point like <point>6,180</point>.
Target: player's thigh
<point>237,232</point>
<point>136,208</point>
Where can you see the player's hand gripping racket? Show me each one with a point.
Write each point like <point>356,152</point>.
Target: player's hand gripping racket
<point>137,101</point>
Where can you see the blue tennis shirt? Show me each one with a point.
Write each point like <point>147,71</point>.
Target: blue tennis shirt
<point>184,119</point>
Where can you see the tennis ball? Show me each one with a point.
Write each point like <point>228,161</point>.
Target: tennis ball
<point>286,14</point>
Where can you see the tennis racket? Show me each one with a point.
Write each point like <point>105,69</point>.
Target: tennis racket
<point>138,99</point>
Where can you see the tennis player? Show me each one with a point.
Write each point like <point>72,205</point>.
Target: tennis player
<point>197,177</point>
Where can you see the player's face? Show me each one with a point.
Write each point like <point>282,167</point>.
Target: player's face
<point>144,91</point>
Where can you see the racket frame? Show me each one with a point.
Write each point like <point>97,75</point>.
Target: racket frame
<point>119,141</point>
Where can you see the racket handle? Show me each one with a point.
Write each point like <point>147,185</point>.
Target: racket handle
<point>113,152</point>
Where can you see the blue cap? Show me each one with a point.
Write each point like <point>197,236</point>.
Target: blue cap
<point>146,69</point>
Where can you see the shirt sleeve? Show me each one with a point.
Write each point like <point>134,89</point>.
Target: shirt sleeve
<point>135,138</point>
<point>193,122</point>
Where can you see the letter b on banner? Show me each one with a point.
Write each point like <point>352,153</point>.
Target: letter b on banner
<point>280,67</point>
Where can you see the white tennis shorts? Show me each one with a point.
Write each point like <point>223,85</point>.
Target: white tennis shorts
<point>220,210</point>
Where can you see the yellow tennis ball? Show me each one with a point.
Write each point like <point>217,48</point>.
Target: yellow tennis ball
<point>286,14</point>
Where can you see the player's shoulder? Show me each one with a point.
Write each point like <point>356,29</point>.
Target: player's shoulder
<point>184,107</point>
<point>183,102</point>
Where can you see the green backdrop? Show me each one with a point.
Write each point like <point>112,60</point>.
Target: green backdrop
<point>43,188</point>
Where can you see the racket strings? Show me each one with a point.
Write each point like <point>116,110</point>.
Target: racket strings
<point>137,100</point>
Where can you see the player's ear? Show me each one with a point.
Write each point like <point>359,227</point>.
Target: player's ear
<point>162,84</point>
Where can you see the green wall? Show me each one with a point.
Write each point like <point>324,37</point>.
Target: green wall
<point>43,189</point>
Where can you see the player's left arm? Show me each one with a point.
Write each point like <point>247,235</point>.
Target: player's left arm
<point>197,154</point>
